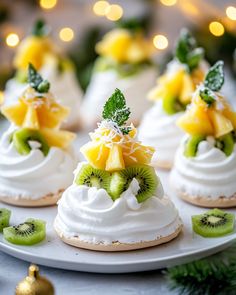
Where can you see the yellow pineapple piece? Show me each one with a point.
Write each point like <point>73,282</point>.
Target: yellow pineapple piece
<point>58,138</point>
<point>115,44</point>
<point>196,121</point>
<point>31,119</point>
<point>31,50</point>
<point>15,113</point>
<point>115,160</point>
<point>230,114</point>
<point>135,153</point>
<point>221,124</point>
<point>187,89</point>
<point>51,116</point>
<point>96,153</point>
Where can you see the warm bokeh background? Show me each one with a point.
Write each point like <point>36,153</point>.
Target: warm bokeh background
<point>76,25</point>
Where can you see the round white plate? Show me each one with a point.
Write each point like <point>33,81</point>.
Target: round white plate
<point>53,252</point>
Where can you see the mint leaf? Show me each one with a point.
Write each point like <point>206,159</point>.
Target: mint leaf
<point>208,96</point>
<point>36,81</point>
<point>115,110</point>
<point>187,51</point>
<point>185,44</point>
<point>195,57</point>
<point>215,76</point>
<point>40,29</point>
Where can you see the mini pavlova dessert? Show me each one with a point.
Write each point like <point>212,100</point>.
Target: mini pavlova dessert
<point>124,62</point>
<point>40,50</point>
<point>36,157</point>
<point>204,171</point>
<point>116,202</point>
<point>171,95</point>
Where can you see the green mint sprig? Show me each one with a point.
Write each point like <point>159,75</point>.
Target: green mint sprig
<point>36,81</point>
<point>115,110</point>
<point>40,28</point>
<point>213,82</point>
<point>187,51</point>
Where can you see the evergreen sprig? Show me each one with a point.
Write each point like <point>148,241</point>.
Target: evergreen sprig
<point>187,51</point>
<point>208,276</point>
<point>36,81</point>
<point>115,110</point>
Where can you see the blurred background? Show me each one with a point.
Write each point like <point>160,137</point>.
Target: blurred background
<point>76,25</point>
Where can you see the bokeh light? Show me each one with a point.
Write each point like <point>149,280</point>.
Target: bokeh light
<point>231,12</point>
<point>66,34</point>
<point>12,39</point>
<point>100,8</point>
<point>114,12</point>
<point>47,4</point>
<point>168,2</point>
<point>160,42</point>
<point>216,28</point>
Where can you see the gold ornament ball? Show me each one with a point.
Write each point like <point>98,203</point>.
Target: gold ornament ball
<point>34,284</point>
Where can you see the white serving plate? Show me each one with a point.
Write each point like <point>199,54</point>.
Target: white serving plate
<point>53,252</point>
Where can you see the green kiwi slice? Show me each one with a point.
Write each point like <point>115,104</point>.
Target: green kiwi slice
<point>31,232</point>
<point>21,140</point>
<point>172,105</point>
<point>5,215</point>
<point>192,144</point>
<point>92,177</point>
<point>226,143</point>
<point>214,223</point>
<point>145,175</point>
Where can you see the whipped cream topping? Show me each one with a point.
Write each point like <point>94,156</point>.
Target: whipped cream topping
<point>103,84</point>
<point>90,214</point>
<point>159,130</point>
<point>34,175</point>
<point>63,85</point>
<point>210,174</point>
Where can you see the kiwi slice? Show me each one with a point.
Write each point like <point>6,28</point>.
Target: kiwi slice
<point>192,144</point>
<point>93,177</point>
<point>31,232</point>
<point>5,215</point>
<point>226,143</point>
<point>21,140</point>
<point>172,105</point>
<point>214,223</point>
<point>145,175</point>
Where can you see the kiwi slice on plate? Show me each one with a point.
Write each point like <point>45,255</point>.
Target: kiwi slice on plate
<point>172,105</point>
<point>92,177</point>
<point>192,144</point>
<point>5,215</point>
<point>21,140</point>
<point>226,143</point>
<point>214,223</point>
<point>31,232</point>
<point>145,175</point>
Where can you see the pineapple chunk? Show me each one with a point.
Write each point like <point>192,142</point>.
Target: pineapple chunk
<point>31,118</point>
<point>51,117</point>
<point>137,154</point>
<point>196,122</point>
<point>187,89</point>
<point>15,113</point>
<point>221,124</point>
<point>96,153</point>
<point>230,114</point>
<point>115,44</point>
<point>31,50</point>
<point>115,160</point>
<point>57,138</point>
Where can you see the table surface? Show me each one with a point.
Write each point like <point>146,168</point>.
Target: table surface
<point>69,282</point>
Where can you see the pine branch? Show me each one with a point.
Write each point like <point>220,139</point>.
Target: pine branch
<point>215,275</point>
